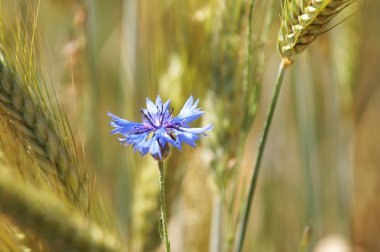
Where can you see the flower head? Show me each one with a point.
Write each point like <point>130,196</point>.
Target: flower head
<point>159,128</point>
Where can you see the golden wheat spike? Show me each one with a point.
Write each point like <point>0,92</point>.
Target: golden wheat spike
<point>31,124</point>
<point>30,110</point>
<point>302,21</point>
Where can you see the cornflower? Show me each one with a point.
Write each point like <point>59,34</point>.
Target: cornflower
<point>159,128</point>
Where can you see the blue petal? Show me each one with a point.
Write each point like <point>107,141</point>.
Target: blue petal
<point>138,141</point>
<point>186,137</point>
<point>159,134</point>
<point>190,135</point>
<point>155,149</point>
<point>166,106</point>
<point>158,101</point>
<point>189,102</point>
<point>151,106</point>
<point>123,126</point>
<point>163,138</point>
<point>189,112</point>
<point>143,147</point>
<point>198,130</point>
<point>174,142</point>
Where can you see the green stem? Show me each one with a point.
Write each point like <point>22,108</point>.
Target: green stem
<point>163,221</point>
<point>255,175</point>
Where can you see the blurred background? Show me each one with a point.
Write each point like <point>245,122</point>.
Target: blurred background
<point>321,164</point>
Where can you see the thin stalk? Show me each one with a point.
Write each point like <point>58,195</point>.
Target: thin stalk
<point>247,208</point>
<point>229,240</point>
<point>216,224</point>
<point>231,226</point>
<point>163,220</point>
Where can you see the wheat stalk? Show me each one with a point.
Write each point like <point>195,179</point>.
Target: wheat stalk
<point>302,21</point>
<point>34,127</point>
<point>62,228</point>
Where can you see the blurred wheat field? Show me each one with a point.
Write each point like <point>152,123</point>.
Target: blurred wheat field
<point>66,184</point>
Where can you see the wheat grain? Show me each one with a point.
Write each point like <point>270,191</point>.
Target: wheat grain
<point>303,21</point>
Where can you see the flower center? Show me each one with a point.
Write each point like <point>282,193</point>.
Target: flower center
<point>158,118</point>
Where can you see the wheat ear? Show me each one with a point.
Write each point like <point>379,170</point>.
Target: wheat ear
<point>33,125</point>
<point>302,21</point>
<point>62,228</point>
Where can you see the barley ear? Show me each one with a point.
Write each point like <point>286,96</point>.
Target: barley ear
<point>38,130</point>
<point>30,111</point>
<point>302,21</point>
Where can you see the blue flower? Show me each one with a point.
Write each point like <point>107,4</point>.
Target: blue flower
<point>159,128</point>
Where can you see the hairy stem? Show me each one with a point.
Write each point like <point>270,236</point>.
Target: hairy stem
<point>252,187</point>
<point>163,220</point>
